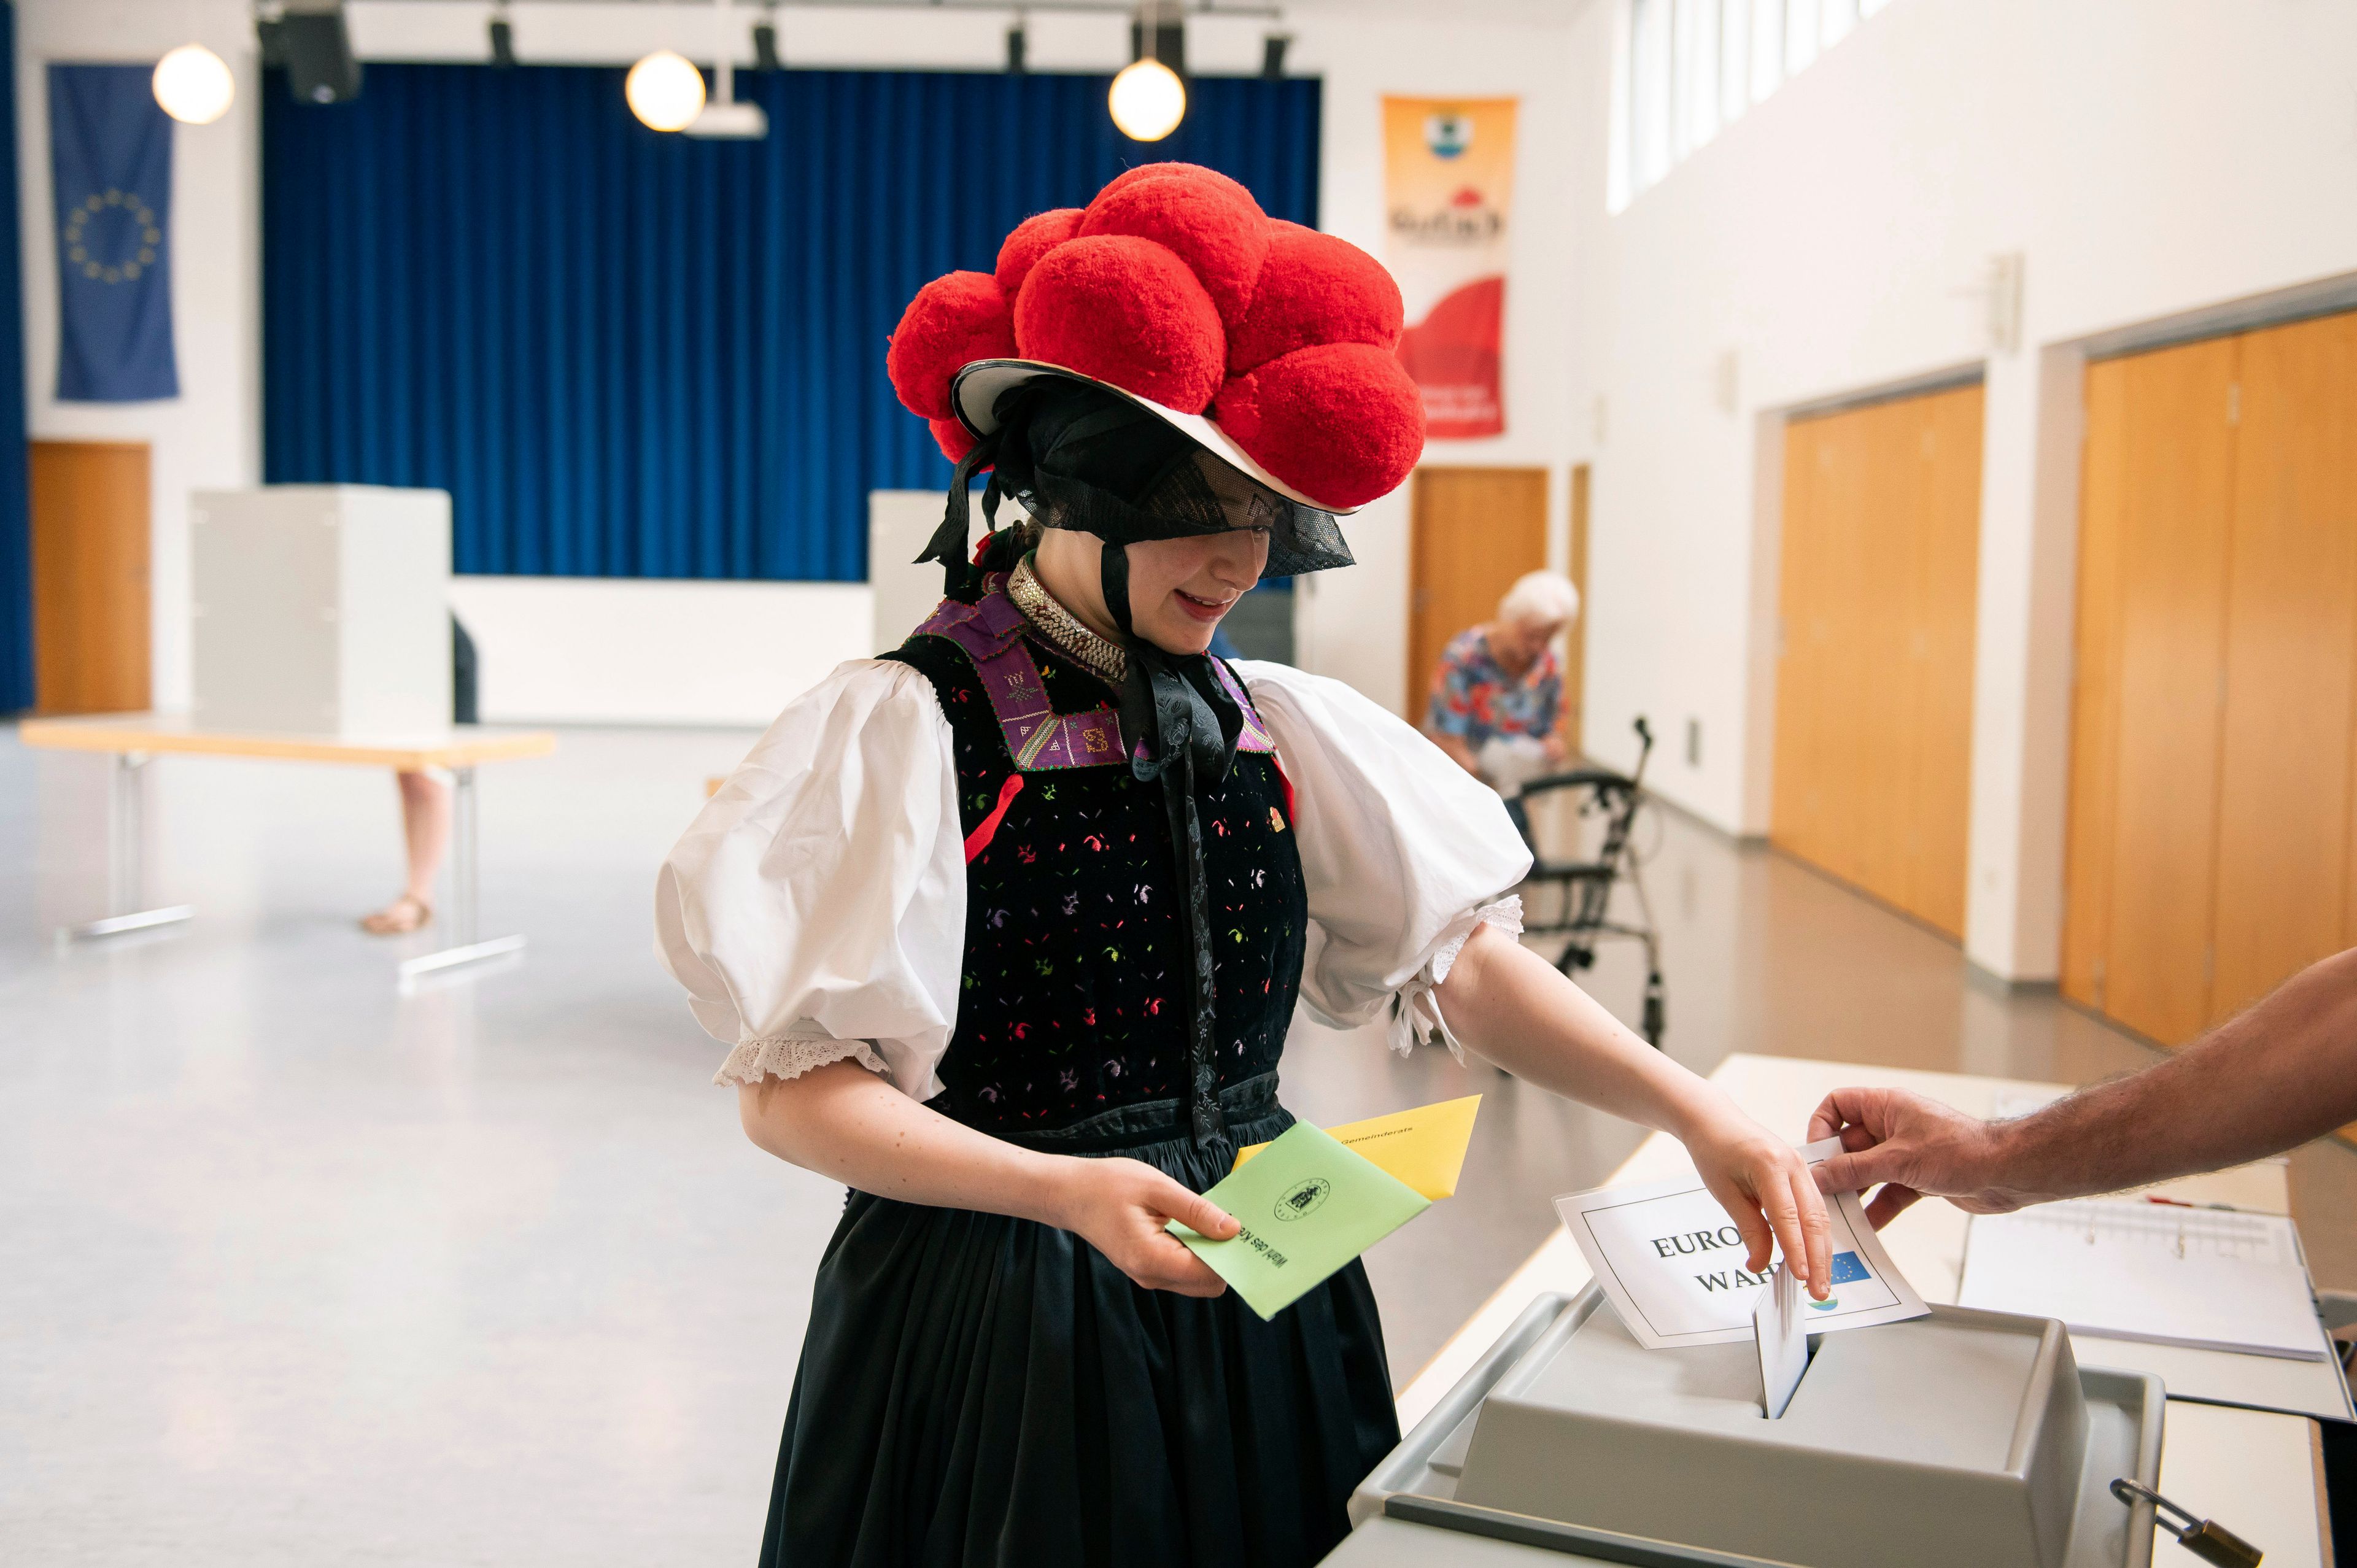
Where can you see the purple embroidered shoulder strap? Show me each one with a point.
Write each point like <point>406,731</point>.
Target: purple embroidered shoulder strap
<point>990,631</point>
<point>1037,737</point>
<point>1255,737</point>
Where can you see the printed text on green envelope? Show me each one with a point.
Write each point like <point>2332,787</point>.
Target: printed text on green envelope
<point>1307,1206</point>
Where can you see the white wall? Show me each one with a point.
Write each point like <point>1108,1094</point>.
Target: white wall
<point>2149,157</point>
<point>640,649</point>
<point>1351,624</point>
<point>210,436</point>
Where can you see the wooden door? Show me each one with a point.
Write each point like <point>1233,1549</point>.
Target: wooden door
<point>2284,795</point>
<point>90,544</point>
<point>2211,850</point>
<point>1471,533</point>
<point>1874,688</point>
<point>2156,499</point>
<point>1574,728</point>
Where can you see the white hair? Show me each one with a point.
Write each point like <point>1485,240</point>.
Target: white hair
<point>1539,598</point>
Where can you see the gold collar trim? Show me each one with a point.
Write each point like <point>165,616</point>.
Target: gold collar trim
<point>1062,629</point>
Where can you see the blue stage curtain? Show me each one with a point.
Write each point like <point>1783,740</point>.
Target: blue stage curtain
<point>15,522</point>
<point>634,354</point>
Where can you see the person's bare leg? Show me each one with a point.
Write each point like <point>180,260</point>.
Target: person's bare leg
<point>426,825</point>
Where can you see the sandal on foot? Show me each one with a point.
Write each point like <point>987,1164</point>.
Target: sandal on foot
<point>403,914</point>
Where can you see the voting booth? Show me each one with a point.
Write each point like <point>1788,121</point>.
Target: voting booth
<point>1956,1439</point>
<point>321,609</point>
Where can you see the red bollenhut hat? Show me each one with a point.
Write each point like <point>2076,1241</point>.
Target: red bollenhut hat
<point>1271,345</point>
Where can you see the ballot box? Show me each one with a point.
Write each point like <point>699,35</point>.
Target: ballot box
<point>320,609</point>
<point>1961,1439</point>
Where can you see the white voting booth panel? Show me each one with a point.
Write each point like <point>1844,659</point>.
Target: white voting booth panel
<point>321,609</point>
<point>899,524</point>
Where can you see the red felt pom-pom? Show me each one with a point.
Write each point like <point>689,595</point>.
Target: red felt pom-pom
<point>1127,311</point>
<point>1342,423</point>
<point>1314,288</point>
<point>954,438</point>
<point>1033,238</point>
<point>954,320</point>
<point>1213,225</point>
<point>1173,169</point>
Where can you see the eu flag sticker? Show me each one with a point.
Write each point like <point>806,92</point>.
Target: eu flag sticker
<point>1847,1269</point>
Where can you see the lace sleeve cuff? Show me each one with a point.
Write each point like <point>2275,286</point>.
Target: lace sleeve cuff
<point>754,1060</point>
<point>1415,1009</point>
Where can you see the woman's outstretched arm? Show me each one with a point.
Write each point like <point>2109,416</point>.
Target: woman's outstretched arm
<point>841,1120</point>
<point>1510,1006</point>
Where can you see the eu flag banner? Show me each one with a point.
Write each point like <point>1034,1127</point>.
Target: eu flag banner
<point>111,152</point>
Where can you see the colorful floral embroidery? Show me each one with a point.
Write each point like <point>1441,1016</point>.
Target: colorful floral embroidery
<point>1073,998</point>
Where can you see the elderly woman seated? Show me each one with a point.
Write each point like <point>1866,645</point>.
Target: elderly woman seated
<point>1499,689</point>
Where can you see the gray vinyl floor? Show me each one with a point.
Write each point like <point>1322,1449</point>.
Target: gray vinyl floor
<point>295,1269</point>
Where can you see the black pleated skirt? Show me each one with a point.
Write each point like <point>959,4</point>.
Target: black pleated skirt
<point>977,1389</point>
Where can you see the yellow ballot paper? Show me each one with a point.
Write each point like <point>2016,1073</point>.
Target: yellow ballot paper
<point>1424,1147</point>
<point>1306,1207</point>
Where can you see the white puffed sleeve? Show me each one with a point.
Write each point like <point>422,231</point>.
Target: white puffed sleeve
<point>816,909</point>
<point>1405,852</point>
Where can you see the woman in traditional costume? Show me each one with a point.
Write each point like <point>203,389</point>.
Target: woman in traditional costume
<point>1006,926</point>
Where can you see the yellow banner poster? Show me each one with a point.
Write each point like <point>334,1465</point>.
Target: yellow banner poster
<point>1449,187</point>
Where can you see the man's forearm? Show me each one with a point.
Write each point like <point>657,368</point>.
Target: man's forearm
<point>2277,1075</point>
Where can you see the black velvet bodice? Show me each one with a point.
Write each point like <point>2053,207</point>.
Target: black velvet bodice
<point>1073,999</point>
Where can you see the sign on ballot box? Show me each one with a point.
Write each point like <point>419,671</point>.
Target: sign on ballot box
<point>1673,1264</point>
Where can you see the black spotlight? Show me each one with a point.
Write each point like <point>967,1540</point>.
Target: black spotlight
<point>318,48</point>
<point>1016,44</point>
<point>765,47</point>
<point>1271,55</point>
<point>502,42</point>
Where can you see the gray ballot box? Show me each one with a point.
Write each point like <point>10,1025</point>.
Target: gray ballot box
<point>1961,1440</point>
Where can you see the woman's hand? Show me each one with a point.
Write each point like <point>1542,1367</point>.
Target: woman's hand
<point>1763,1184</point>
<point>1119,1206</point>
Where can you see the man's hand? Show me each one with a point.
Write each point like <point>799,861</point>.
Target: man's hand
<point>1912,1147</point>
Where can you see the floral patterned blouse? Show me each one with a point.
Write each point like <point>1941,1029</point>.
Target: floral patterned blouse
<point>1475,699</point>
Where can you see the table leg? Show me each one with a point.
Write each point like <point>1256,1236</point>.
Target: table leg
<point>466,865</point>
<point>125,860</point>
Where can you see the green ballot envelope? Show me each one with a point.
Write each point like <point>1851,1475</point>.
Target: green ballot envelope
<point>1307,1206</point>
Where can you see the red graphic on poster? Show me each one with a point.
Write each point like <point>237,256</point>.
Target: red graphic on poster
<point>1453,355</point>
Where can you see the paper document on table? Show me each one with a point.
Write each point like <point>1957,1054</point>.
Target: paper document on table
<point>2212,1279</point>
<point>1424,1147</point>
<point>1307,1206</point>
<point>1670,1261</point>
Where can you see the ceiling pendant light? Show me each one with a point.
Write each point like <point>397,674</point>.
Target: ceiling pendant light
<point>1148,100</point>
<point>1149,97</point>
<point>665,91</point>
<point>193,86</point>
